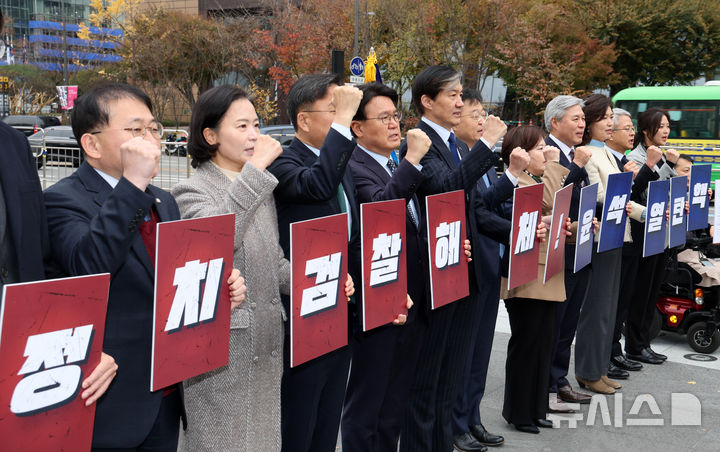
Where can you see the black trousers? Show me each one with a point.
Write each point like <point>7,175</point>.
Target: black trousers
<point>428,421</point>
<point>628,281</point>
<point>527,369</point>
<point>384,362</point>
<point>311,401</point>
<point>642,308</point>
<point>163,436</point>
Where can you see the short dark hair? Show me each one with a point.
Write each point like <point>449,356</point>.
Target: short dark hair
<point>595,107</point>
<point>649,121</point>
<point>471,95</point>
<point>208,111</point>
<point>429,82</point>
<point>525,137</point>
<point>686,157</point>
<point>371,90</point>
<point>91,109</point>
<point>307,90</point>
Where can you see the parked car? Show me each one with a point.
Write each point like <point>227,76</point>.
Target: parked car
<point>59,145</point>
<point>30,124</point>
<point>284,133</point>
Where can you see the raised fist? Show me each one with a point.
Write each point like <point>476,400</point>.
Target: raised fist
<point>672,155</point>
<point>582,155</point>
<point>267,149</point>
<point>346,99</point>
<point>519,160</point>
<point>140,158</point>
<point>494,129</point>
<point>418,144</point>
<point>654,154</point>
<point>552,154</point>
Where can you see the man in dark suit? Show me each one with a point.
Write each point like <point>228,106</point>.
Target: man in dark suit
<point>448,165</point>
<point>493,232</point>
<point>384,359</point>
<point>565,120</point>
<point>313,182</point>
<point>102,220</point>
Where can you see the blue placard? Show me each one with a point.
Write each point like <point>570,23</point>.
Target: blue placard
<point>585,235</point>
<point>357,67</point>
<point>655,224</point>
<point>699,201</point>
<point>614,217</point>
<point>678,221</point>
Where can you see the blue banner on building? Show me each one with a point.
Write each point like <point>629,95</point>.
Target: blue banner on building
<point>614,217</point>
<point>699,200</point>
<point>585,235</point>
<point>655,224</point>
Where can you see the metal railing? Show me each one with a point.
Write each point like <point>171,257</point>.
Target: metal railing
<point>55,160</point>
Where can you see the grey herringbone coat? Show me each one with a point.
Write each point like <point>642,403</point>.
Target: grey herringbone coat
<point>237,407</point>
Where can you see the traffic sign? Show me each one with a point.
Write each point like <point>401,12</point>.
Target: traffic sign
<point>357,66</point>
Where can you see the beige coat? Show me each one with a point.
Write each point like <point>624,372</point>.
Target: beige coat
<point>554,289</point>
<point>237,407</point>
<point>602,163</point>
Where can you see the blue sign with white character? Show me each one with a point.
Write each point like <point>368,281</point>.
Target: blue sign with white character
<point>357,67</point>
<point>655,225</point>
<point>614,216</point>
<point>585,235</point>
<point>678,224</point>
<point>699,200</point>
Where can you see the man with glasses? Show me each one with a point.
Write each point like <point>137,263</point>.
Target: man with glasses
<point>384,359</point>
<point>489,243</point>
<point>102,219</point>
<point>313,181</point>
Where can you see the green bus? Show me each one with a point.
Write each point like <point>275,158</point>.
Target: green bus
<point>694,117</point>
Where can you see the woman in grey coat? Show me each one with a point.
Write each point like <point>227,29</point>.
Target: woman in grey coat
<point>237,407</point>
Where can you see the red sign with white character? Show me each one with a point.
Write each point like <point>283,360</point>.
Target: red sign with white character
<point>51,335</point>
<point>524,248</point>
<point>555,258</point>
<point>191,328</point>
<point>318,271</point>
<point>446,236</point>
<point>384,266</point>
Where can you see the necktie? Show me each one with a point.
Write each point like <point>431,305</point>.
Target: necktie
<point>572,154</point>
<point>453,148</point>
<point>147,232</point>
<point>341,199</point>
<point>393,167</point>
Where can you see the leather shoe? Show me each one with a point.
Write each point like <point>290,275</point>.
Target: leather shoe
<point>609,382</point>
<point>555,405</point>
<point>566,394</point>
<point>527,428</point>
<point>544,423</point>
<point>598,386</point>
<point>656,354</point>
<point>617,373</point>
<point>645,357</point>
<point>485,437</point>
<point>625,364</point>
<point>467,443</point>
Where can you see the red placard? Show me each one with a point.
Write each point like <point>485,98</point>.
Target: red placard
<point>384,266</point>
<point>555,258</point>
<point>318,271</point>
<point>524,248</point>
<point>191,324</point>
<point>446,236</point>
<point>51,335</point>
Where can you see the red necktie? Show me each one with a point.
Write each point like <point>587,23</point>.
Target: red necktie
<point>147,232</point>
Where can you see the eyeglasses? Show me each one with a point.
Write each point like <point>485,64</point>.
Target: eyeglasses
<point>625,129</point>
<point>318,111</point>
<point>155,129</point>
<point>476,115</point>
<point>385,119</point>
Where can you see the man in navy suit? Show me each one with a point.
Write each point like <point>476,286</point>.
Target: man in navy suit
<point>314,181</point>
<point>102,220</point>
<point>384,359</point>
<point>565,120</point>
<point>24,241</point>
<point>493,234</point>
<point>448,165</point>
